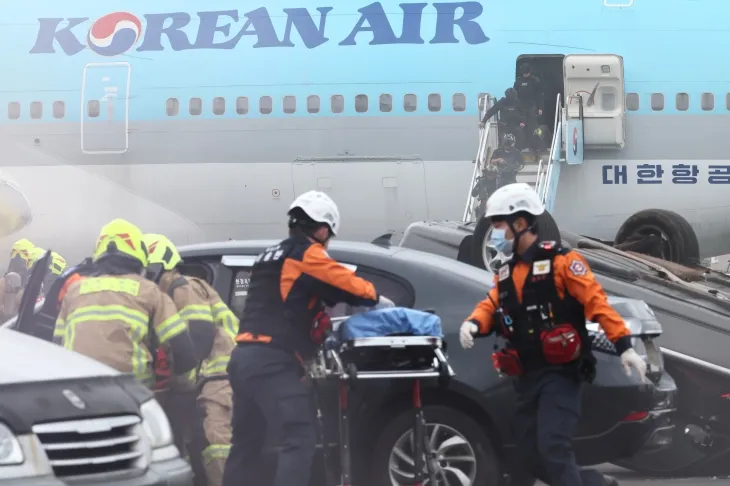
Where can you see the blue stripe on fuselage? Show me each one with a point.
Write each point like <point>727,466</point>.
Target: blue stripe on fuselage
<point>668,47</point>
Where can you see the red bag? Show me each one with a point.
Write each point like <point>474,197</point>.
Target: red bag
<point>561,344</point>
<point>507,362</point>
<point>320,327</point>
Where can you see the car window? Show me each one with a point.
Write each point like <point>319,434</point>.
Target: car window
<point>391,286</point>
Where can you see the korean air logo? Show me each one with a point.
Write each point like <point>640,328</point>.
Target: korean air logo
<point>114,34</point>
<point>575,141</point>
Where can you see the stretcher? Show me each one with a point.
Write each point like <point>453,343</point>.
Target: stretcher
<point>401,357</point>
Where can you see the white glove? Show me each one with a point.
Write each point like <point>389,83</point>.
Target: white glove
<point>384,303</point>
<point>466,334</point>
<point>631,359</point>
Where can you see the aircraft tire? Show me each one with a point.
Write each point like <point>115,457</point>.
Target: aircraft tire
<point>547,230</point>
<point>679,241</point>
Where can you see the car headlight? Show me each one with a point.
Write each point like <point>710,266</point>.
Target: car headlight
<point>155,424</point>
<point>10,451</point>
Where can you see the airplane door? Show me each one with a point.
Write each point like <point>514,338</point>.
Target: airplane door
<point>374,194</point>
<point>599,82</point>
<point>105,108</point>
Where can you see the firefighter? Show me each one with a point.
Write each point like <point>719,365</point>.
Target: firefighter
<point>19,256</point>
<point>541,299</point>
<point>511,115</point>
<point>118,317</point>
<point>16,276</point>
<point>57,267</point>
<point>530,93</point>
<point>213,328</point>
<point>281,326</point>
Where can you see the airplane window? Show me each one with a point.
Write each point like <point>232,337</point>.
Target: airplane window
<point>361,103</point>
<point>458,102</point>
<point>632,101</point>
<point>337,104</point>
<point>434,102</point>
<point>266,105</point>
<point>727,101</point>
<point>386,103</point>
<point>242,105</point>
<point>657,101</point>
<point>219,105</point>
<point>290,104</point>
<point>59,109</point>
<point>195,106</point>
<point>36,110</point>
<point>172,107</point>
<point>682,101</point>
<point>93,108</point>
<point>14,110</point>
<point>313,104</point>
<point>410,103</point>
<point>707,101</point>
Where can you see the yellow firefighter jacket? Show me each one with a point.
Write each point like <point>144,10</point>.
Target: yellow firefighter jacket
<point>196,300</point>
<point>118,320</point>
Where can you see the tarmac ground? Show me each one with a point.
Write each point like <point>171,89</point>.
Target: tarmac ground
<point>630,478</point>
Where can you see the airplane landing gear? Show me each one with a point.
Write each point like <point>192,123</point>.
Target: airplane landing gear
<point>659,233</point>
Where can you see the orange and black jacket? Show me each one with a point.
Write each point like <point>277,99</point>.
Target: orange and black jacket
<point>290,282</point>
<point>545,274</point>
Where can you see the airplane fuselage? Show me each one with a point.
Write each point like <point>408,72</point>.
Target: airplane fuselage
<point>204,121</point>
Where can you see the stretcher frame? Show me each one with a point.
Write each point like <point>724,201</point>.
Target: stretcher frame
<point>331,364</point>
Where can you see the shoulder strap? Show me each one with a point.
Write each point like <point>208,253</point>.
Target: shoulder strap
<point>178,282</point>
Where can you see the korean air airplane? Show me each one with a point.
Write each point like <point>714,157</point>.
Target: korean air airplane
<point>203,119</point>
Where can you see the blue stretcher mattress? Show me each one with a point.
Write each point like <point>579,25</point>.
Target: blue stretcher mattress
<point>395,320</point>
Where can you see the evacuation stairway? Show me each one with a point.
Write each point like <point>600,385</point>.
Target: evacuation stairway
<point>542,174</point>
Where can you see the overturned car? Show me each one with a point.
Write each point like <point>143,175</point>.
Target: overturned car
<point>693,305</point>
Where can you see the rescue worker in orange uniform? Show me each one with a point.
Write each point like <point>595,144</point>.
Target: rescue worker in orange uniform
<point>541,299</point>
<point>117,316</point>
<point>213,328</point>
<point>281,326</point>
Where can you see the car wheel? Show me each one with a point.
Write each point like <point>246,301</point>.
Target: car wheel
<point>464,454</point>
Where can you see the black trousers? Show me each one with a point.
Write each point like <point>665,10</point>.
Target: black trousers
<point>269,401</point>
<point>548,408</point>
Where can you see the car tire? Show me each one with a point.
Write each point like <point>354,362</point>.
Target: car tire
<point>547,230</point>
<point>451,422</point>
<point>681,246</point>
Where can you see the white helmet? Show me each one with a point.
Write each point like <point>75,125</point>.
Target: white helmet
<point>513,198</point>
<point>320,207</point>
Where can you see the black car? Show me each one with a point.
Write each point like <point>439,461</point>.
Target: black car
<point>693,305</point>
<point>469,421</point>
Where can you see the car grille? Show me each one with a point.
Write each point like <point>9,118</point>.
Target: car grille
<point>93,446</point>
